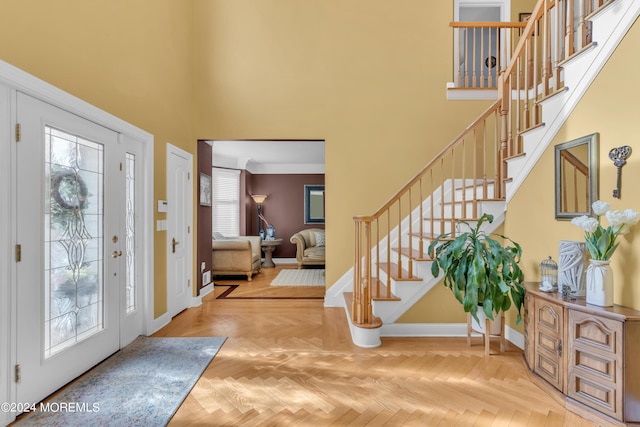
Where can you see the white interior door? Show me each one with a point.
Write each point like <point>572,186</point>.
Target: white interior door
<point>70,230</point>
<point>179,214</point>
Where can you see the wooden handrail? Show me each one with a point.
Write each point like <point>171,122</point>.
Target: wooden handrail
<point>429,165</point>
<point>499,24</point>
<point>472,168</point>
<point>528,32</point>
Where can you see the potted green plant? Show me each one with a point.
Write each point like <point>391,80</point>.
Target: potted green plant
<point>480,270</point>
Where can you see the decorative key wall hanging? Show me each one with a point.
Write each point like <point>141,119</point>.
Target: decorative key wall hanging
<point>619,155</point>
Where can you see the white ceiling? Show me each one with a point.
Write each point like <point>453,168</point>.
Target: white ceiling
<point>275,157</point>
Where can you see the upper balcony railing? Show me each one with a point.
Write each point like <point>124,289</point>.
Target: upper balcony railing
<point>472,168</point>
<point>482,51</point>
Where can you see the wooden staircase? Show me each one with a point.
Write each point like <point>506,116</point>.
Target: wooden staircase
<point>481,169</point>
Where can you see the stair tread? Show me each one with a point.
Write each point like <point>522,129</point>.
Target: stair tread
<point>429,236</point>
<point>392,270</point>
<point>459,202</point>
<point>450,219</point>
<point>414,254</point>
<point>578,52</point>
<point>515,156</point>
<point>379,284</point>
<point>530,128</point>
<point>475,184</point>
<point>552,94</point>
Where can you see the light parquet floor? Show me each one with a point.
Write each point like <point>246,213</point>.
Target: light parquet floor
<point>290,362</point>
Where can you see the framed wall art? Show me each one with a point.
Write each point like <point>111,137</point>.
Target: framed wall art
<point>205,190</point>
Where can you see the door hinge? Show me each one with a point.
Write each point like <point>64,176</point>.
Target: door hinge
<point>18,374</point>
<point>18,253</point>
<point>120,166</point>
<point>188,229</point>
<point>188,175</point>
<point>18,132</point>
<point>188,283</point>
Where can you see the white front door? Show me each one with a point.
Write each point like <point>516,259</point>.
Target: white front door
<point>179,214</point>
<point>70,230</point>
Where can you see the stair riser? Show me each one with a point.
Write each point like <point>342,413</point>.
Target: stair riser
<point>456,210</point>
<point>439,226</point>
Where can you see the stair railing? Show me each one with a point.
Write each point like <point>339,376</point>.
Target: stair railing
<point>446,190</point>
<point>556,31</point>
<point>472,168</point>
<point>482,52</point>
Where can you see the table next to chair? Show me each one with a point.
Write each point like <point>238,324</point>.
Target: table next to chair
<point>268,246</point>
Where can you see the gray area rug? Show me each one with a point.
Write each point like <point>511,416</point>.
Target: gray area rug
<point>141,385</point>
<point>311,277</point>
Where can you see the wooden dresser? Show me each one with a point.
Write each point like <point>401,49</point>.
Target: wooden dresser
<point>588,356</point>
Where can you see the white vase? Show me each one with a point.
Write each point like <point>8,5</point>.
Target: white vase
<point>495,325</point>
<point>599,283</point>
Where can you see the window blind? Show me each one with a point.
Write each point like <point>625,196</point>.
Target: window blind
<point>226,201</point>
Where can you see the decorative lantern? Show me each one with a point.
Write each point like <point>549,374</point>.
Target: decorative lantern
<point>548,275</point>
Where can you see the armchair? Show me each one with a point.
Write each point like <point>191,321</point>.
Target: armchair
<point>236,255</point>
<point>310,248</point>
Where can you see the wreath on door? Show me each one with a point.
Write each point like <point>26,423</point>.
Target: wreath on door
<point>69,190</point>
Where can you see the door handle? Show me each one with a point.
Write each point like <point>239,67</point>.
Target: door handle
<point>116,254</point>
<point>173,245</point>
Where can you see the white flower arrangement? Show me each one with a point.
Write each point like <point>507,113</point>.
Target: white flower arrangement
<point>601,242</point>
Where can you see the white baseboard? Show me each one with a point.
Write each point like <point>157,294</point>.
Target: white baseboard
<point>282,261</point>
<point>443,330</point>
<point>514,337</point>
<point>197,300</point>
<point>160,323</point>
<point>424,330</point>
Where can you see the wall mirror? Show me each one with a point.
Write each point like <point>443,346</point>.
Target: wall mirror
<point>576,176</point>
<point>314,204</point>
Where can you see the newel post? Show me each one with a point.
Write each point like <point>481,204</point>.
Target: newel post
<point>362,308</point>
<point>367,307</point>
<point>357,273</point>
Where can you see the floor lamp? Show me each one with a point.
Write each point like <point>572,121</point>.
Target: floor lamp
<point>259,199</point>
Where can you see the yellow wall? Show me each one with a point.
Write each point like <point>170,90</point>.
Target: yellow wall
<point>520,6</point>
<point>367,76</point>
<point>610,108</point>
<point>132,59</point>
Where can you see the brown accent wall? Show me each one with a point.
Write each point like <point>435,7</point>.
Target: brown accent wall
<point>204,219</point>
<point>283,208</point>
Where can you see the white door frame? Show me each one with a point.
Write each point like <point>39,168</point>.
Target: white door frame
<point>188,212</point>
<point>12,80</point>
<point>6,383</point>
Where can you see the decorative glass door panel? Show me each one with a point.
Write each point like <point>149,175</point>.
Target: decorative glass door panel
<point>130,207</point>
<point>73,221</point>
